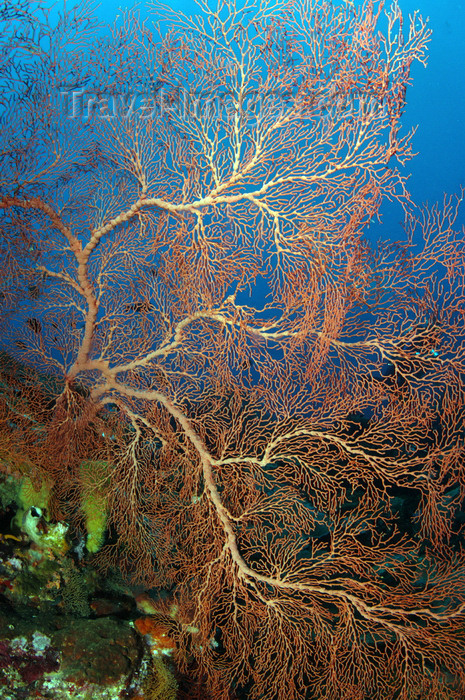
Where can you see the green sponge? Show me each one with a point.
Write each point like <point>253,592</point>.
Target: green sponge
<point>94,480</point>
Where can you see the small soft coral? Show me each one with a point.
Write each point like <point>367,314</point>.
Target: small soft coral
<point>161,683</point>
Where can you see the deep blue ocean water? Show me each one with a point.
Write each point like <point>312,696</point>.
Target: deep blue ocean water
<point>435,103</point>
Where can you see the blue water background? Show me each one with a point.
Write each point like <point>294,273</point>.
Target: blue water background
<point>435,105</point>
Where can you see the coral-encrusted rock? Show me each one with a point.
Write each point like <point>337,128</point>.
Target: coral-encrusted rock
<point>85,658</point>
<point>25,661</point>
<point>98,651</point>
